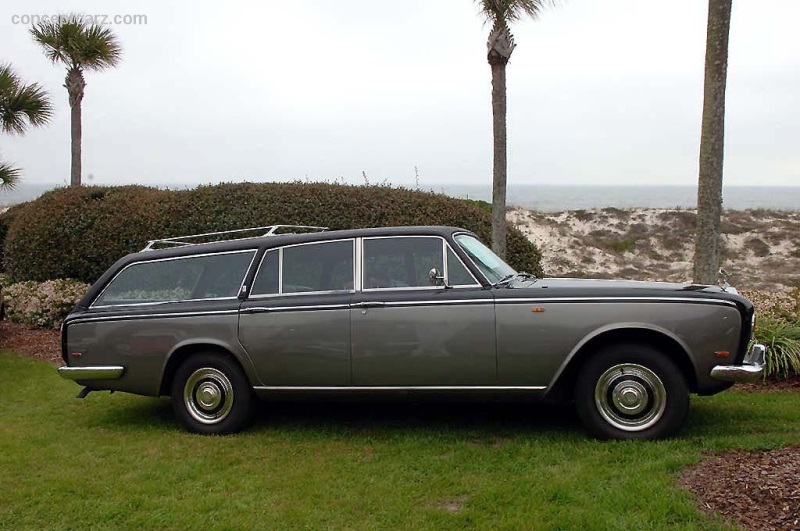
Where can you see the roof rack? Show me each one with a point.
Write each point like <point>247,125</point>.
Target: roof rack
<point>268,230</point>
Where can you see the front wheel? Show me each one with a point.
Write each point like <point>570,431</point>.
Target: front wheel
<point>211,395</point>
<point>631,391</point>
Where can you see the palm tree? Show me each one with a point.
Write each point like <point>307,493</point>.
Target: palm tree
<point>21,106</point>
<point>500,13</point>
<point>80,47</point>
<point>709,189</point>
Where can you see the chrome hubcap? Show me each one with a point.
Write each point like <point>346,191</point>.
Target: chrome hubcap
<point>630,397</point>
<point>208,395</point>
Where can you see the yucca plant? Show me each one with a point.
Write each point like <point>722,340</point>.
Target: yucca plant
<point>782,339</point>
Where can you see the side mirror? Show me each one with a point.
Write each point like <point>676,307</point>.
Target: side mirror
<point>437,278</point>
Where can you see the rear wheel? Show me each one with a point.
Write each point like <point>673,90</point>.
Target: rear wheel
<point>211,395</point>
<point>631,391</point>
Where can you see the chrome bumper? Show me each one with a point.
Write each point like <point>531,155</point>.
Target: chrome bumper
<point>109,372</point>
<point>751,369</point>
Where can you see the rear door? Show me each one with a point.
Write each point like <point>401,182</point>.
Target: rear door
<point>295,325</point>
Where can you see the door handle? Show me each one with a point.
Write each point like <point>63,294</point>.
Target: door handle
<point>370,304</point>
<point>254,310</point>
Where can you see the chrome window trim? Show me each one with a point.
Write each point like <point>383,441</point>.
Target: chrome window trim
<point>405,388</point>
<point>280,271</point>
<point>309,307</point>
<point>300,293</point>
<point>445,247</point>
<point>357,285</point>
<point>168,259</point>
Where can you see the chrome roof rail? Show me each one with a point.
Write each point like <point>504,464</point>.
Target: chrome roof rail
<point>267,230</point>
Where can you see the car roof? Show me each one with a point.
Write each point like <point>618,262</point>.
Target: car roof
<point>277,240</point>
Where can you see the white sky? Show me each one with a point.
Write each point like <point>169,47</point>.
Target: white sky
<point>599,92</point>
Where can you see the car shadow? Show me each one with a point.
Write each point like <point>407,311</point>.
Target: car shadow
<point>490,417</point>
<point>473,417</point>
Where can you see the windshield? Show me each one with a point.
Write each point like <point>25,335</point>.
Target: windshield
<point>491,265</point>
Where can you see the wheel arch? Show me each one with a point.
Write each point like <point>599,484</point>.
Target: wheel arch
<point>183,352</point>
<point>563,382</point>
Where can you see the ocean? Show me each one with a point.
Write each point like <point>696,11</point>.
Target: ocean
<point>547,198</point>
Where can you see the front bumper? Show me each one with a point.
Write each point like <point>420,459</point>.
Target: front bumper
<point>751,369</point>
<point>108,372</point>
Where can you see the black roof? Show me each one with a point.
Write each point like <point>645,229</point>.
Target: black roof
<point>277,240</point>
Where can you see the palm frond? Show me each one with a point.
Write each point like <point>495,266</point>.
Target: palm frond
<point>20,104</point>
<point>511,10</point>
<point>73,42</point>
<point>9,176</point>
<point>101,48</point>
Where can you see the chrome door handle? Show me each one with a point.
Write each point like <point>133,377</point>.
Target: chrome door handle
<point>254,310</point>
<point>370,304</point>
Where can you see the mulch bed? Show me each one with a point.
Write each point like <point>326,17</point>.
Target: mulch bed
<point>40,344</point>
<point>759,490</point>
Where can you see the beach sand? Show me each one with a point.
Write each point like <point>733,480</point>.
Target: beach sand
<point>760,248</point>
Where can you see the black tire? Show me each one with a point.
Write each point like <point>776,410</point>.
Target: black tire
<point>211,395</point>
<point>631,391</point>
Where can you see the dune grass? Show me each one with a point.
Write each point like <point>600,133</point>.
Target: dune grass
<point>120,462</point>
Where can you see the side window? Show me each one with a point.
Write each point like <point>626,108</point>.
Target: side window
<point>400,262</point>
<point>457,274</point>
<point>266,281</point>
<point>196,277</point>
<point>326,266</point>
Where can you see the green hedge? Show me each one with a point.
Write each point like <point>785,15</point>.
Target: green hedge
<point>6,219</point>
<point>79,232</point>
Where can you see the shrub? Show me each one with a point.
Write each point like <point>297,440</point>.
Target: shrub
<point>79,232</point>
<point>782,340</point>
<point>6,218</point>
<point>42,305</point>
<point>778,327</point>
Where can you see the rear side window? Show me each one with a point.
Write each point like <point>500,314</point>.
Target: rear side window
<point>315,267</point>
<point>212,276</point>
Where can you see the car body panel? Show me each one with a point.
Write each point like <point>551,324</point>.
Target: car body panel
<point>428,337</point>
<point>142,339</point>
<point>301,340</point>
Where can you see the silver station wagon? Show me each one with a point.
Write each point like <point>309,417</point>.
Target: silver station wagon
<point>408,310</point>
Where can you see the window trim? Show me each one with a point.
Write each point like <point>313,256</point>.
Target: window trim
<point>280,293</point>
<point>93,304</point>
<point>445,247</point>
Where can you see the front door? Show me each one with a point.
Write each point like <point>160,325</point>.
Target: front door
<point>407,332</point>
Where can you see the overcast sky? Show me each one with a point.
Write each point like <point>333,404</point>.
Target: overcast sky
<point>599,92</point>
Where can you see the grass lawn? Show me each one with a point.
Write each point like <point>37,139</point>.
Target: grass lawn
<point>119,461</point>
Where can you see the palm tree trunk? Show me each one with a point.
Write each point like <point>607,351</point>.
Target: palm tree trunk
<point>709,189</point>
<point>75,86</point>
<point>500,170</point>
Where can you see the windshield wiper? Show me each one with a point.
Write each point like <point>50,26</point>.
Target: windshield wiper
<point>513,276</point>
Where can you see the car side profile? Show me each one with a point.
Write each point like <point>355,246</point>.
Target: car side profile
<point>304,310</point>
